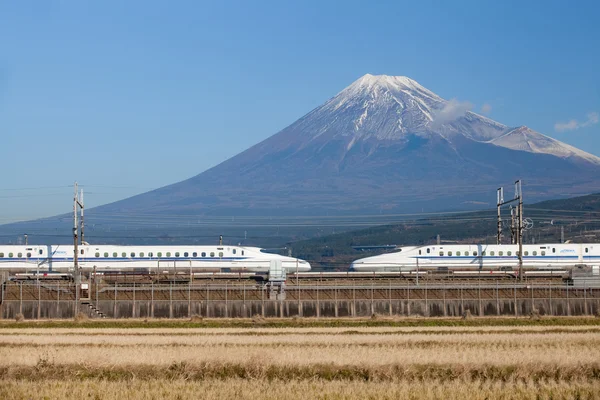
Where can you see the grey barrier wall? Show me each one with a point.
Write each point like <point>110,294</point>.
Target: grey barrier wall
<point>39,301</point>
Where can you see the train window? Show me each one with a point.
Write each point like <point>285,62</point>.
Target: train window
<point>500,253</point>
<point>517,253</point>
<point>586,249</point>
<point>535,252</point>
<point>441,253</point>
<point>81,251</point>
<point>97,254</point>
<point>177,254</point>
<point>526,253</point>
<point>20,255</point>
<point>28,255</point>
<point>492,253</point>
<point>168,254</point>
<point>427,251</point>
<point>483,253</point>
<point>186,254</point>
<point>212,253</point>
<point>221,254</point>
<point>159,254</point>
<point>419,252</point>
<point>194,254</point>
<point>235,250</point>
<point>132,254</point>
<point>449,253</point>
<point>475,254</point>
<point>115,254</point>
<point>151,254</point>
<point>105,255</point>
<point>554,249</point>
<point>203,254</point>
<point>123,254</point>
<point>10,255</point>
<point>543,253</point>
<point>509,253</point>
<point>142,254</point>
<point>242,252</point>
<point>1,255</point>
<point>41,251</point>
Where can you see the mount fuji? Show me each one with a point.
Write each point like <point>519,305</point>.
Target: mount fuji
<point>383,144</point>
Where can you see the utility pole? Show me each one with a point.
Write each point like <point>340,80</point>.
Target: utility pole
<point>76,251</point>
<point>77,203</point>
<point>289,255</point>
<point>513,225</point>
<point>562,234</point>
<point>500,197</point>
<point>519,195</point>
<point>518,219</point>
<point>417,271</point>
<point>75,231</point>
<point>80,202</point>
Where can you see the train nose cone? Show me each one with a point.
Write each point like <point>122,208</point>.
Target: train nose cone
<point>302,266</point>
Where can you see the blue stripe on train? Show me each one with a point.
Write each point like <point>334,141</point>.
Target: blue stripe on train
<point>125,259</point>
<point>546,257</point>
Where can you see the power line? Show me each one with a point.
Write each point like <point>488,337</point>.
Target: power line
<point>35,188</point>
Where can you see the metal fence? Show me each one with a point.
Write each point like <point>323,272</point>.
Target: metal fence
<point>38,299</point>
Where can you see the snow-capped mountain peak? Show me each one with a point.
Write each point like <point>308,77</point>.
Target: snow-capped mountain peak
<point>376,107</point>
<point>388,108</point>
<point>390,83</point>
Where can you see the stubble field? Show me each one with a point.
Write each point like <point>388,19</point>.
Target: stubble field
<point>301,362</point>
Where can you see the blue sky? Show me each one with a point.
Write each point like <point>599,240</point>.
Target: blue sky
<point>129,96</point>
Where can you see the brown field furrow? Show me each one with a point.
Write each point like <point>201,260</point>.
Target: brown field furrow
<point>308,338</point>
<point>297,390</point>
<point>299,355</point>
<point>259,331</point>
<point>431,344</point>
<point>259,370</point>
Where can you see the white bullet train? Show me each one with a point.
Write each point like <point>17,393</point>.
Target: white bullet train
<point>482,257</point>
<point>160,259</point>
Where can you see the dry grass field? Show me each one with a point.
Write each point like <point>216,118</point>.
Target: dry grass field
<point>496,362</point>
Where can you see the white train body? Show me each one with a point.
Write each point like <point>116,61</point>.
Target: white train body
<point>482,257</point>
<point>160,259</point>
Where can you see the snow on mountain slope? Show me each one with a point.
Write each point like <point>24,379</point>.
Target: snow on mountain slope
<point>384,109</point>
<point>387,108</point>
<point>525,139</point>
